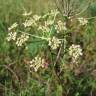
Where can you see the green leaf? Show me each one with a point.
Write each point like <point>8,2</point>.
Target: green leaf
<point>35,47</point>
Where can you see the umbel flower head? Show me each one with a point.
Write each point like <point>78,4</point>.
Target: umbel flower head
<point>36,63</point>
<point>11,36</point>
<point>75,52</point>
<point>60,26</point>
<point>44,28</point>
<point>49,22</point>
<point>54,42</point>
<point>14,25</point>
<point>36,17</point>
<point>22,39</point>
<point>29,22</point>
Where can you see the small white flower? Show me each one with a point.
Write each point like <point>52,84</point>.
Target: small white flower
<point>22,39</point>
<point>11,36</point>
<point>60,26</point>
<point>75,51</point>
<point>36,63</point>
<point>36,17</point>
<point>49,22</point>
<point>44,28</point>
<point>29,23</point>
<point>82,21</point>
<point>13,26</point>
<point>54,43</point>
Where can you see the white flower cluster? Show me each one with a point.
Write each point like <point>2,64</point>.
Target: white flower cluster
<point>82,21</point>
<point>14,25</point>
<point>29,23</point>
<point>36,63</point>
<point>60,26</point>
<point>11,36</point>
<point>36,17</point>
<point>46,25</point>
<point>22,39</point>
<point>44,28</point>
<point>75,52</point>
<point>49,22</point>
<point>54,43</point>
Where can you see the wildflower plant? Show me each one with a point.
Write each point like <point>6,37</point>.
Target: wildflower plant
<point>52,46</point>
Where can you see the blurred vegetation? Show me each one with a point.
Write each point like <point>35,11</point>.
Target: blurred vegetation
<point>33,85</point>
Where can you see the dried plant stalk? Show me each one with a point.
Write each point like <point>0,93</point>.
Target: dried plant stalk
<point>72,7</point>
